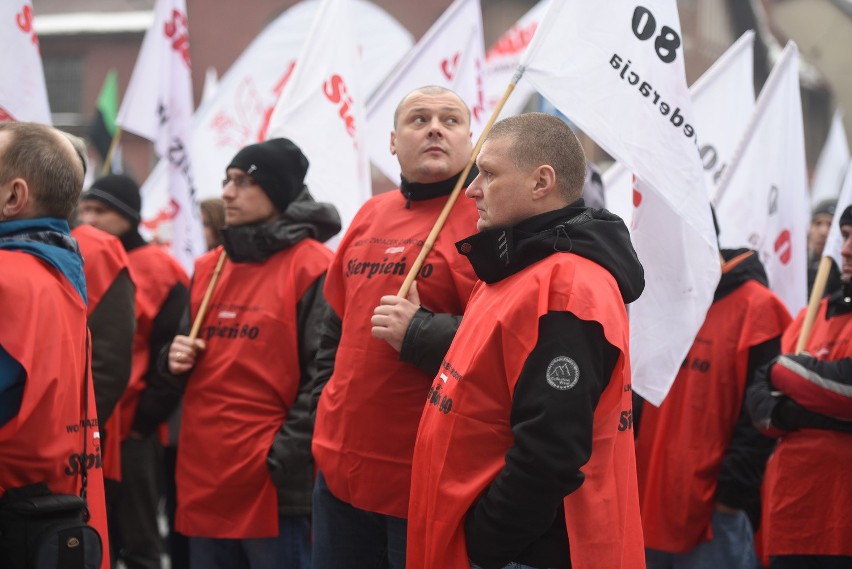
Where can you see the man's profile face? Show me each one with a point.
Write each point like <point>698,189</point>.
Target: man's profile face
<point>97,214</point>
<point>846,253</point>
<point>432,137</point>
<point>245,201</point>
<point>503,192</point>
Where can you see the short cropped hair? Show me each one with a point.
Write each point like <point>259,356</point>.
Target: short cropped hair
<point>54,174</point>
<point>539,138</point>
<point>429,90</point>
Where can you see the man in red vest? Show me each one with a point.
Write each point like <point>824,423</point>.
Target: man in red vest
<point>112,324</point>
<point>524,454</point>
<point>806,401</point>
<point>244,471</point>
<point>48,421</point>
<point>700,460</point>
<point>380,365</point>
<point>113,205</point>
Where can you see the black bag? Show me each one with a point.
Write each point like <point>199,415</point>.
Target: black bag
<point>41,530</point>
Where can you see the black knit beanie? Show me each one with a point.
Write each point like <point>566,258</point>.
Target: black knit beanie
<point>279,167</point>
<point>120,193</point>
<point>846,216</point>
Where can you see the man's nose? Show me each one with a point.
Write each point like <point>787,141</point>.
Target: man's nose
<point>436,128</point>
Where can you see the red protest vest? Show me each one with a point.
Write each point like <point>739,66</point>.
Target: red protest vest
<point>103,258</point>
<point>155,273</point>
<point>807,489</point>
<point>369,410</point>
<point>682,443</point>
<point>240,391</point>
<point>461,445</point>
<point>45,332</point>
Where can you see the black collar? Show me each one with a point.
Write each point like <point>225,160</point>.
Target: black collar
<point>414,191</point>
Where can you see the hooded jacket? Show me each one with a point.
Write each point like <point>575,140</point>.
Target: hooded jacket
<point>508,429</point>
<point>266,309</point>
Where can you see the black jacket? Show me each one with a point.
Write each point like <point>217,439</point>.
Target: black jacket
<point>290,461</point>
<point>520,516</point>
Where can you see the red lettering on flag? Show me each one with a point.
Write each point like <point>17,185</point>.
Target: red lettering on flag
<point>176,30</point>
<point>279,88</point>
<point>479,108</point>
<point>514,41</point>
<point>784,246</point>
<point>336,92</point>
<point>6,116</point>
<point>25,22</point>
<point>449,67</point>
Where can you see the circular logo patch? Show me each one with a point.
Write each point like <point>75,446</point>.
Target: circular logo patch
<point>563,373</point>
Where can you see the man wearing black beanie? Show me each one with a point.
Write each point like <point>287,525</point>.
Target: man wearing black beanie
<point>806,400</point>
<point>113,205</point>
<point>245,470</point>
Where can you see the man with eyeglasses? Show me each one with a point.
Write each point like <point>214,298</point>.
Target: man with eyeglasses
<point>113,204</point>
<point>245,471</point>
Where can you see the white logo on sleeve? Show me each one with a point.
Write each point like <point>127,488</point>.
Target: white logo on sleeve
<point>563,373</point>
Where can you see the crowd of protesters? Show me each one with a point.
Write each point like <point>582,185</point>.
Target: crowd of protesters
<point>318,415</point>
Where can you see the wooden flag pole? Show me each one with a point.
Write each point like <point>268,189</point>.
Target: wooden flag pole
<point>813,303</point>
<point>108,160</point>
<point>451,200</point>
<point>202,310</point>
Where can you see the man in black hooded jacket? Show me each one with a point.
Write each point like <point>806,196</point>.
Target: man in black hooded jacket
<point>524,453</point>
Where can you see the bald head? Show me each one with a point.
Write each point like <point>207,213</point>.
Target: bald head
<point>49,162</point>
<point>427,90</point>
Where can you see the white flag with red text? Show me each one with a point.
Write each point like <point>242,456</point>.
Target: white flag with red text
<point>834,241</point>
<point>238,114</point>
<point>158,106</point>
<point>723,101</point>
<point>831,164</point>
<point>762,201</point>
<point>615,69</point>
<point>450,54</point>
<point>321,109</point>
<point>502,59</point>
<point>23,93</point>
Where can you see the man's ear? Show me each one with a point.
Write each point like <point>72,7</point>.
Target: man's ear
<point>14,198</point>
<point>393,143</point>
<point>545,181</point>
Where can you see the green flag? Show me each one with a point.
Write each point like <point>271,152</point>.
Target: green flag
<point>102,127</point>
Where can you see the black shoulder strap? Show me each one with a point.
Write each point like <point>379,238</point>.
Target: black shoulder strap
<point>84,470</point>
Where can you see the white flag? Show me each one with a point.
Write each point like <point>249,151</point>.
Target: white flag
<point>834,241</point>
<point>762,202</point>
<point>615,68</point>
<point>23,94</point>
<point>238,114</point>
<point>211,83</point>
<point>450,54</point>
<point>831,165</point>
<point>723,101</point>
<point>322,110</point>
<point>501,62</point>
<point>158,106</point>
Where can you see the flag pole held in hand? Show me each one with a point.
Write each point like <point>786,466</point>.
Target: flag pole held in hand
<point>451,200</point>
<point>202,310</point>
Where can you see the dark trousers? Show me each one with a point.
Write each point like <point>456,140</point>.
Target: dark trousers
<point>346,537</point>
<point>141,468</point>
